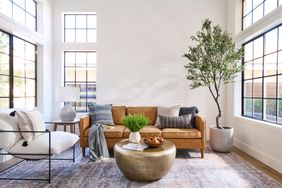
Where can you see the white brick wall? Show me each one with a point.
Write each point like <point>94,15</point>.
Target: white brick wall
<point>139,50</point>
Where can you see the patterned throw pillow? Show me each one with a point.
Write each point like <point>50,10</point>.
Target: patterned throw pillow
<point>30,121</point>
<point>167,111</point>
<point>101,114</point>
<point>175,122</point>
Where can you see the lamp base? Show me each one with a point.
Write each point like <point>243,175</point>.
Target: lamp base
<point>67,113</point>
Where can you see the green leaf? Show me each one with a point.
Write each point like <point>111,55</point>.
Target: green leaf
<point>135,122</point>
<point>213,61</point>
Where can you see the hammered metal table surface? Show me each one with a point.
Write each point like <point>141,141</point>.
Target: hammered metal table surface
<point>147,165</point>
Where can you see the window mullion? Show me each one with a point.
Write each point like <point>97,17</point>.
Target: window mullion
<point>263,58</point>
<point>277,81</point>
<point>11,71</point>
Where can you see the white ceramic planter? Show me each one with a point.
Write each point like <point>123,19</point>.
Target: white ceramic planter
<point>221,139</point>
<point>134,137</point>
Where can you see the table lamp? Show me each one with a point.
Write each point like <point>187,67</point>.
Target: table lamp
<point>67,94</point>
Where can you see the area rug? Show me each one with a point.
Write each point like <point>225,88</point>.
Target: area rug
<point>189,170</point>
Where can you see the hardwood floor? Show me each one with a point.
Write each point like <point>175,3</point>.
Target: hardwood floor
<point>261,166</point>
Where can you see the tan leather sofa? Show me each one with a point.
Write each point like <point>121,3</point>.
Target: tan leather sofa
<point>182,138</point>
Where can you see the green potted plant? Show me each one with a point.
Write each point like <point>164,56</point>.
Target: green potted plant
<point>134,123</point>
<point>213,62</point>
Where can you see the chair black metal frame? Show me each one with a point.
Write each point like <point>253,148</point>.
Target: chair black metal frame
<point>49,154</point>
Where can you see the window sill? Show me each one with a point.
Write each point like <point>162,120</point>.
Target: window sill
<point>11,26</point>
<point>269,21</point>
<point>263,124</point>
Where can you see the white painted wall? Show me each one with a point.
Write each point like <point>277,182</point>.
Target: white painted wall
<point>43,40</point>
<point>259,139</point>
<point>139,50</point>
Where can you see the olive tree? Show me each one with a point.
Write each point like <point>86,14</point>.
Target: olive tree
<point>213,61</point>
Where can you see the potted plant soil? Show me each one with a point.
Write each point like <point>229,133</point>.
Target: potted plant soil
<point>134,123</point>
<point>213,62</point>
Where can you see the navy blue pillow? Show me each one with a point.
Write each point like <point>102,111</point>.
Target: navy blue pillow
<point>193,110</point>
<point>101,113</point>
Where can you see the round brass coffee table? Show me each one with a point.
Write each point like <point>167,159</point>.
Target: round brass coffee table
<point>147,165</point>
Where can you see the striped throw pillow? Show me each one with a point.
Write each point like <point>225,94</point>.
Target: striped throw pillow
<point>175,122</point>
<point>101,114</point>
<point>30,121</point>
<point>167,111</point>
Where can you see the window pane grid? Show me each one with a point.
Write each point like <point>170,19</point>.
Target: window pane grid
<point>80,28</point>
<point>18,85</point>
<point>254,10</point>
<point>79,72</point>
<point>22,11</point>
<point>261,78</point>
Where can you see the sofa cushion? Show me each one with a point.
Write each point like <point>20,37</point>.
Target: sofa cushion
<point>181,133</point>
<point>175,122</point>
<point>101,113</point>
<point>118,112</point>
<point>115,131</point>
<point>148,111</point>
<point>30,121</point>
<point>193,110</point>
<point>167,111</point>
<point>60,141</point>
<point>149,130</point>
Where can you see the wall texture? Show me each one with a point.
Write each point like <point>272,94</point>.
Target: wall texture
<point>139,50</point>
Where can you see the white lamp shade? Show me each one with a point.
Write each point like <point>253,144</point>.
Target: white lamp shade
<point>67,94</point>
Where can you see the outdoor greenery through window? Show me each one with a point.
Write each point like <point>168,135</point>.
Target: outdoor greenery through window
<point>22,11</point>
<point>17,72</point>
<point>262,78</point>
<point>80,28</point>
<point>254,10</point>
<point>80,71</point>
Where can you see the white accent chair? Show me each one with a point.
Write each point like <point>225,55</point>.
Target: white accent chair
<point>41,147</point>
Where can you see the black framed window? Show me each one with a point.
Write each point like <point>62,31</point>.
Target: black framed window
<point>262,77</point>
<point>17,72</point>
<point>80,28</point>
<point>80,71</point>
<point>22,11</point>
<point>254,10</point>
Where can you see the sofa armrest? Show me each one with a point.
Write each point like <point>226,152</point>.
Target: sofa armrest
<point>201,125</point>
<point>84,124</point>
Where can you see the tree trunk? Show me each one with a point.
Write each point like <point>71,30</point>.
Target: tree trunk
<point>219,113</point>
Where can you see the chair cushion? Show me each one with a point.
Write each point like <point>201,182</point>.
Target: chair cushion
<point>147,131</point>
<point>180,133</point>
<point>167,111</point>
<point>101,113</point>
<point>115,131</point>
<point>13,122</point>
<point>8,139</point>
<point>30,121</point>
<point>193,110</point>
<point>148,111</point>
<point>118,112</point>
<point>60,141</point>
<point>175,122</point>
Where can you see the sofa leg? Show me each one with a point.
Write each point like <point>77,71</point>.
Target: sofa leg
<point>83,151</point>
<point>202,153</point>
